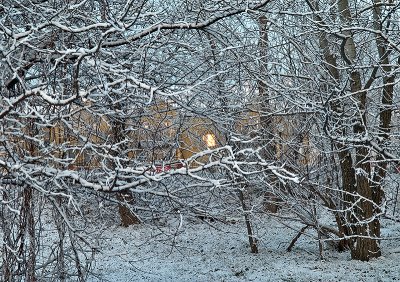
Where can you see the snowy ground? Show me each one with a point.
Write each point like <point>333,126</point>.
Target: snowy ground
<point>202,253</point>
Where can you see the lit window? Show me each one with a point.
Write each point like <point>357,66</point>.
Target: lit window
<point>209,139</point>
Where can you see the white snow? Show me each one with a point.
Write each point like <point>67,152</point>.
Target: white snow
<point>203,253</point>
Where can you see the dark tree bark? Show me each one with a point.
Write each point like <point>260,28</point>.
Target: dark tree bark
<point>125,198</point>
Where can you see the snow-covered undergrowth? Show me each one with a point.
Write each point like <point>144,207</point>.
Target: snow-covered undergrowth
<point>200,252</point>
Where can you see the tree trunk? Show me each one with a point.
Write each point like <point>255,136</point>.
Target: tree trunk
<point>247,218</point>
<point>125,198</point>
<point>360,222</point>
<point>267,137</point>
<point>126,215</point>
<point>363,219</point>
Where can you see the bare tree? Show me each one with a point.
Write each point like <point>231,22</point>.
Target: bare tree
<point>135,98</point>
